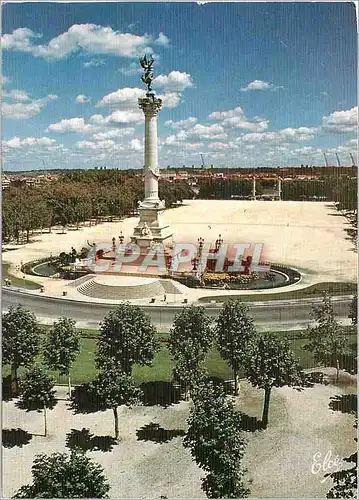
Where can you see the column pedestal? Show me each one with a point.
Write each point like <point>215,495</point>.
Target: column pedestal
<point>150,228</point>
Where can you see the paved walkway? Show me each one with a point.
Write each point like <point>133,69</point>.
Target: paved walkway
<point>278,459</point>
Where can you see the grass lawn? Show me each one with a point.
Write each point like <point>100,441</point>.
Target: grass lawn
<point>84,366</point>
<point>316,290</point>
<point>23,283</point>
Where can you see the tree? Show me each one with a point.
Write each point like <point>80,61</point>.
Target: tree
<point>234,334</point>
<point>346,480</point>
<point>216,443</point>
<point>37,392</point>
<point>327,339</point>
<point>127,337</point>
<point>115,388</point>
<point>65,476</point>
<point>353,310</point>
<point>20,340</point>
<point>271,364</point>
<point>190,338</point>
<point>62,347</point>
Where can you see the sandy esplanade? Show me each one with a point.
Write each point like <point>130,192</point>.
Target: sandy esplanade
<point>279,459</point>
<point>310,236</point>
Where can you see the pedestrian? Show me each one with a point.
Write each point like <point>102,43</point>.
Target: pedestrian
<point>164,298</point>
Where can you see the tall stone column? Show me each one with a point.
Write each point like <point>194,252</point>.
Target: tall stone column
<point>150,227</point>
<point>150,106</point>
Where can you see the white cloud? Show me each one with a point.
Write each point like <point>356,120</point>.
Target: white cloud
<point>193,145</point>
<point>298,134</point>
<point>22,106</point>
<point>136,145</point>
<point>125,116</point>
<point>173,140</point>
<point>67,125</point>
<point>222,146</point>
<point>170,99</point>
<point>260,85</point>
<point>113,133</point>
<point>94,63</point>
<point>341,122</point>
<point>182,124</point>
<point>126,97</point>
<point>208,132</point>
<point>287,135</point>
<point>87,38</point>
<point>118,117</point>
<point>17,95</point>
<point>16,142</point>
<point>242,123</point>
<point>235,118</point>
<point>132,69</point>
<point>175,81</point>
<point>222,115</point>
<point>162,39</point>
<point>82,99</point>
<point>99,148</point>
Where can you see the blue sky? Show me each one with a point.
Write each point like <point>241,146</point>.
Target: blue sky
<point>245,84</point>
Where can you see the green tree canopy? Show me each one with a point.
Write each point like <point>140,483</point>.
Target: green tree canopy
<point>190,338</point>
<point>62,347</point>
<point>20,340</point>
<point>115,388</point>
<point>127,337</point>
<point>36,391</point>
<point>65,476</point>
<point>326,339</point>
<point>272,364</point>
<point>235,332</point>
<point>216,442</point>
<point>353,310</point>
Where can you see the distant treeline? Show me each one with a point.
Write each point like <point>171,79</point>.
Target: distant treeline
<point>77,196</point>
<point>337,189</point>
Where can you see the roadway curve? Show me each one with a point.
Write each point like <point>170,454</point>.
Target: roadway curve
<point>270,315</point>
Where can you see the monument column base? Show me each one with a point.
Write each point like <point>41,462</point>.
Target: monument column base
<point>150,228</point>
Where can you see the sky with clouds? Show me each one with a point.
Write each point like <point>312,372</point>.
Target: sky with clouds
<point>244,84</point>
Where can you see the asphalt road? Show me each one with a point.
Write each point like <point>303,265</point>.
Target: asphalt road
<point>276,315</point>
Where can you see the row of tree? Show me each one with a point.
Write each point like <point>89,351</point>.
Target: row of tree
<point>128,338</point>
<point>342,190</point>
<point>77,197</point>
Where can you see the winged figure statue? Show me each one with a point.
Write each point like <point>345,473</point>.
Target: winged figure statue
<point>147,77</point>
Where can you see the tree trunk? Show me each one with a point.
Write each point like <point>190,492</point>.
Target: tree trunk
<point>236,383</point>
<point>45,420</point>
<point>115,414</point>
<point>13,380</point>
<point>267,392</point>
<point>337,370</point>
<point>69,384</point>
<point>27,236</point>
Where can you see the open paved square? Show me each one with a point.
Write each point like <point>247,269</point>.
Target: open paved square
<point>309,236</point>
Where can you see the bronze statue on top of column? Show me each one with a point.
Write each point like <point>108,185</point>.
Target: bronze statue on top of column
<point>147,77</point>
